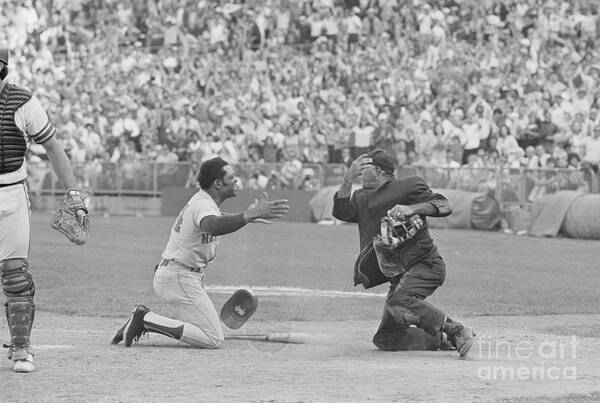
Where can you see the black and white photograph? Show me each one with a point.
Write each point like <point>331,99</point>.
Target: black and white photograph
<point>300,201</point>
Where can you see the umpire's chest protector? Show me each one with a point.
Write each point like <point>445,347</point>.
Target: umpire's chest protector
<point>372,206</point>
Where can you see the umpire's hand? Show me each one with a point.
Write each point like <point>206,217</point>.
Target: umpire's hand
<point>360,163</point>
<point>400,211</point>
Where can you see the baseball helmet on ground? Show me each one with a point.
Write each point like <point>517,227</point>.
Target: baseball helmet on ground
<point>239,308</point>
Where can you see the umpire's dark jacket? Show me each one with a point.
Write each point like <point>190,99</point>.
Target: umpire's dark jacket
<point>367,207</point>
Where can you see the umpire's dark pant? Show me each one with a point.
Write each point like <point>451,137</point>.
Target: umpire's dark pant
<point>405,306</point>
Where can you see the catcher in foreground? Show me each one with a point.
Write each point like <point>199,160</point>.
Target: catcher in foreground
<point>396,248</point>
<point>179,277</point>
<point>23,119</point>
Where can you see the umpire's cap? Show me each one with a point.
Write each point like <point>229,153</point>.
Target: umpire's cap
<point>3,55</point>
<point>383,160</point>
<point>238,309</point>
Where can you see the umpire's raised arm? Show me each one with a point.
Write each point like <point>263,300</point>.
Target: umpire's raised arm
<point>344,206</point>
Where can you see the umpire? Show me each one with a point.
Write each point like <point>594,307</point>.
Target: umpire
<point>423,269</point>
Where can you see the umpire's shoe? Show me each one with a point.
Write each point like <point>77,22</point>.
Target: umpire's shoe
<point>461,336</point>
<point>134,328</point>
<point>446,344</point>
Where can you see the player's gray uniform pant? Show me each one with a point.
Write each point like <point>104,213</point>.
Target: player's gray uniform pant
<point>184,291</point>
<point>405,306</point>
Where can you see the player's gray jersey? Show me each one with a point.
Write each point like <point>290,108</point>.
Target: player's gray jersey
<point>188,244</point>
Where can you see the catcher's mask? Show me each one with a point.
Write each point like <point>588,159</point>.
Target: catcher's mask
<point>394,232</point>
<point>239,308</point>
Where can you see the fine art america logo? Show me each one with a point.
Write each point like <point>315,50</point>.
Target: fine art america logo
<point>527,360</point>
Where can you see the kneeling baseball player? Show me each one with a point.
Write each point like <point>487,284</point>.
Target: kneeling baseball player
<point>396,248</point>
<point>179,277</point>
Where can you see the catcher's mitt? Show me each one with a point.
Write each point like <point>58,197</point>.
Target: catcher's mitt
<point>71,218</point>
<point>394,233</point>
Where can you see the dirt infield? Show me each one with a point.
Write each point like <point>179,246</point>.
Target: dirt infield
<point>516,358</point>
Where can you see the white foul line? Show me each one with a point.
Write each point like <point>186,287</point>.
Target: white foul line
<point>51,346</point>
<point>292,291</point>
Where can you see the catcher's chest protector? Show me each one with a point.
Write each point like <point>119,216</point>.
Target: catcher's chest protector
<point>12,140</point>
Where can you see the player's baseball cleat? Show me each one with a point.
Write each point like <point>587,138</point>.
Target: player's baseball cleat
<point>118,337</point>
<point>25,365</point>
<point>134,328</point>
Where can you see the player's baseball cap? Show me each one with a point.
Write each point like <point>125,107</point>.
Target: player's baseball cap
<point>238,309</point>
<point>383,160</point>
<point>4,55</point>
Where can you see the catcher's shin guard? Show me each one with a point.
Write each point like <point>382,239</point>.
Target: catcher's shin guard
<point>18,286</point>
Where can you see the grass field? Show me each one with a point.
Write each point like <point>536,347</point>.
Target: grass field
<point>507,286</point>
<point>487,273</point>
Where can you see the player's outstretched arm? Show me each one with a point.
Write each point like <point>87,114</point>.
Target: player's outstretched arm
<point>260,210</point>
<point>263,210</point>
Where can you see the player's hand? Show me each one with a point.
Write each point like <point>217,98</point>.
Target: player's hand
<point>263,210</point>
<point>358,165</point>
<point>261,221</point>
<point>400,211</point>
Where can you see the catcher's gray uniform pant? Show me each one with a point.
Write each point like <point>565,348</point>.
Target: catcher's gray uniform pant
<point>405,306</point>
<point>17,283</point>
<point>14,222</point>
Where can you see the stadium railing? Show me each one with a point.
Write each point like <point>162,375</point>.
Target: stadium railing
<point>509,186</point>
<point>149,178</point>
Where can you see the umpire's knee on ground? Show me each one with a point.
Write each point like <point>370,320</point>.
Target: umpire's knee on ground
<point>406,304</point>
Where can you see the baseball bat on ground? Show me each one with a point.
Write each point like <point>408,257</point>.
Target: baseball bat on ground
<point>291,338</point>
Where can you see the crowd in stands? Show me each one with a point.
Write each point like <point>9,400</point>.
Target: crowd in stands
<point>448,83</point>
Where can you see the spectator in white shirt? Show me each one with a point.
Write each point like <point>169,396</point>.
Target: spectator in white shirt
<point>540,158</point>
<point>125,125</point>
<point>577,138</point>
<point>470,140</point>
<point>582,102</point>
<point>353,25</point>
<point>507,142</point>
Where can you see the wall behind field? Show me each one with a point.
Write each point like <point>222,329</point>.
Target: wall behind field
<point>174,198</point>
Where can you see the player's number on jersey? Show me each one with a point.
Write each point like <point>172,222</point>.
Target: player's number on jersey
<point>177,226</point>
